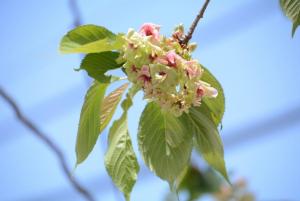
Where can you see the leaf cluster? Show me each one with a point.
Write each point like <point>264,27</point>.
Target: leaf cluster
<point>165,141</point>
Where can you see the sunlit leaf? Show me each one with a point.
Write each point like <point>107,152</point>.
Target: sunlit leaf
<point>120,160</point>
<point>208,140</point>
<point>90,39</point>
<point>89,124</point>
<point>165,142</point>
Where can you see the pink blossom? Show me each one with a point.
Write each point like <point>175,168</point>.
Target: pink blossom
<point>192,69</point>
<point>200,91</point>
<point>149,29</point>
<point>170,59</point>
<point>144,75</point>
<point>144,79</point>
<point>204,89</point>
<point>145,70</point>
<point>161,60</point>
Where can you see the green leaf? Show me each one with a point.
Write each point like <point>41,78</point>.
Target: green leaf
<point>205,120</point>
<point>97,64</point>
<point>96,114</point>
<point>120,160</point>
<point>109,105</point>
<point>208,140</point>
<point>291,8</point>
<point>89,124</point>
<point>214,106</point>
<point>127,102</point>
<point>90,39</point>
<point>197,182</point>
<point>295,25</point>
<point>164,141</point>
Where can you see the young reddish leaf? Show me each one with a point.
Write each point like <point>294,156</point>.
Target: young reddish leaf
<point>110,104</point>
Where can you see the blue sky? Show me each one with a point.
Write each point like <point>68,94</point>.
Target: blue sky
<point>246,44</point>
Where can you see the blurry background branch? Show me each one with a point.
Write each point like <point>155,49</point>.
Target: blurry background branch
<point>51,145</point>
<point>75,13</point>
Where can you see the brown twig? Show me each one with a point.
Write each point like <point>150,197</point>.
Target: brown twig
<point>189,35</point>
<point>52,146</point>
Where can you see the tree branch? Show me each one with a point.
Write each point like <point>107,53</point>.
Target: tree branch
<point>51,145</point>
<point>200,15</point>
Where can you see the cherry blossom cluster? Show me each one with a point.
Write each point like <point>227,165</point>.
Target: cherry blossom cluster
<point>164,69</point>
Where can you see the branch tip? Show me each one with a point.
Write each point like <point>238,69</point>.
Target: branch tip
<point>200,15</point>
